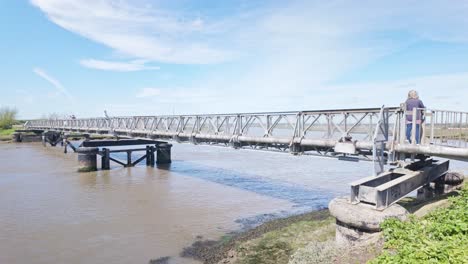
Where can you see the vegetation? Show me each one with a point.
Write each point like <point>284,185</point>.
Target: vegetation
<point>7,132</point>
<point>439,237</point>
<point>7,118</point>
<point>279,245</point>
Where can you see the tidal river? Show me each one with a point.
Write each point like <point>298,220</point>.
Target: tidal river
<point>51,214</point>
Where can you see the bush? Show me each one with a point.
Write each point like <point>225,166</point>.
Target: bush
<point>440,237</point>
<point>7,117</point>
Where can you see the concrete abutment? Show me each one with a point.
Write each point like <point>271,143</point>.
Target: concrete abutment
<point>359,224</point>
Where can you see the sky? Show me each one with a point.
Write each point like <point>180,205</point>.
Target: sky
<point>152,57</point>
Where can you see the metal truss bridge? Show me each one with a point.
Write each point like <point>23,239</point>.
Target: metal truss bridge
<point>343,132</point>
<point>376,134</point>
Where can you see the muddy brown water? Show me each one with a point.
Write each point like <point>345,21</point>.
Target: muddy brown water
<point>51,214</point>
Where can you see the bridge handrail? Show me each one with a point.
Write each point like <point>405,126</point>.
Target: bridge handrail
<point>443,127</point>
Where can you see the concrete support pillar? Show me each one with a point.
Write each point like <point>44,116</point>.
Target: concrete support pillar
<point>87,159</point>
<point>295,149</point>
<point>236,145</point>
<point>105,159</point>
<point>44,138</point>
<point>359,224</point>
<point>163,153</point>
<point>150,156</point>
<point>129,158</point>
<point>17,137</point>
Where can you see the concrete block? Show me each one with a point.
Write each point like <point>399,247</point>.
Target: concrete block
<point>360,223</point>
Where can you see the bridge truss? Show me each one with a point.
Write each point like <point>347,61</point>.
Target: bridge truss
<point>342,133</point>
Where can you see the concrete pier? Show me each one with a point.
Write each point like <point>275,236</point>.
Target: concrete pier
<point>359,224</point>
<point>163,153</point>
<point>51,137</point>
<point>87,158</point>
<point>105,159</point>
<point>150,156</point>
<point>17,137</point>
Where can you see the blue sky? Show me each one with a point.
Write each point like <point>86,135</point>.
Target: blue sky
<point>151,57</point>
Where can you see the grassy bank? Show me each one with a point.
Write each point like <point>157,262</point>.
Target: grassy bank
<point>6,134</point>
<point>437,232</point>
<point>439,237</point>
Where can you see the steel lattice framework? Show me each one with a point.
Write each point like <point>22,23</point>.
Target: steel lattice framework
<point>343,132</point>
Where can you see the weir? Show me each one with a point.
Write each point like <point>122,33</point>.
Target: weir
<point>374,134</point>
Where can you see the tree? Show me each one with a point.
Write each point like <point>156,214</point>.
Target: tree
<point>7,117</point>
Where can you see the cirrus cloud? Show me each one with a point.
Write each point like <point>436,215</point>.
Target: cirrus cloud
<point>54,82</point>
<point>135,65</point>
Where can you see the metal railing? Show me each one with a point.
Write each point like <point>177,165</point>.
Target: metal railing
<point>436,127</point>
<point>326,132</point>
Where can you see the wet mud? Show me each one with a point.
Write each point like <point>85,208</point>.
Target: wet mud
<point>213,251</point>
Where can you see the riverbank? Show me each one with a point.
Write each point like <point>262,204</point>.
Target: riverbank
<point>271,242</point>
<point>6,134</point>
<point>309,238</point>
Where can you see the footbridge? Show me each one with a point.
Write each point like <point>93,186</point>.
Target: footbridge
<point>367,133</point>
<point>382,135</point>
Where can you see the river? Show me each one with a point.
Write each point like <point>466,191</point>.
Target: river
<point>51,214</point>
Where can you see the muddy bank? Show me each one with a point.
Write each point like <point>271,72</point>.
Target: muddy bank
<point>215,251</point>
<point>305,238</point>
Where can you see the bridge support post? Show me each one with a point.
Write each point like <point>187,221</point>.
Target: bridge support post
<point>150,156</point>
<point>17,137</point>
<point>87,159</point>
<point>105,159</point>
<point>163,153</point>
<point>295,148</point>
<point>236,145</point>
<point>359,224</point>
<point>53,137</point>
<point>44,138</point>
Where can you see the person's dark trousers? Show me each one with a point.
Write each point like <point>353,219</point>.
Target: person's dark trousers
<point>409,127</point>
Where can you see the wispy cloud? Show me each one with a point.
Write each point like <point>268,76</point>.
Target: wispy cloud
<point>138,31</point>
<point>55,83</point>
<point>148,92</point>
<point>135,65</point>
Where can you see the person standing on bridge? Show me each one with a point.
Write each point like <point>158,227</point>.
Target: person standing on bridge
<point>412,102</point>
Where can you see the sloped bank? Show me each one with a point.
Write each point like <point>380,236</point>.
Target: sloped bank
<point>273,241</point>
<point>310,238</point>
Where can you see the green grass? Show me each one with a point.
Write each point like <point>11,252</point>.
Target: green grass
<point>439,237</point>
<point>277,246</point>
<point>5,134</point>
